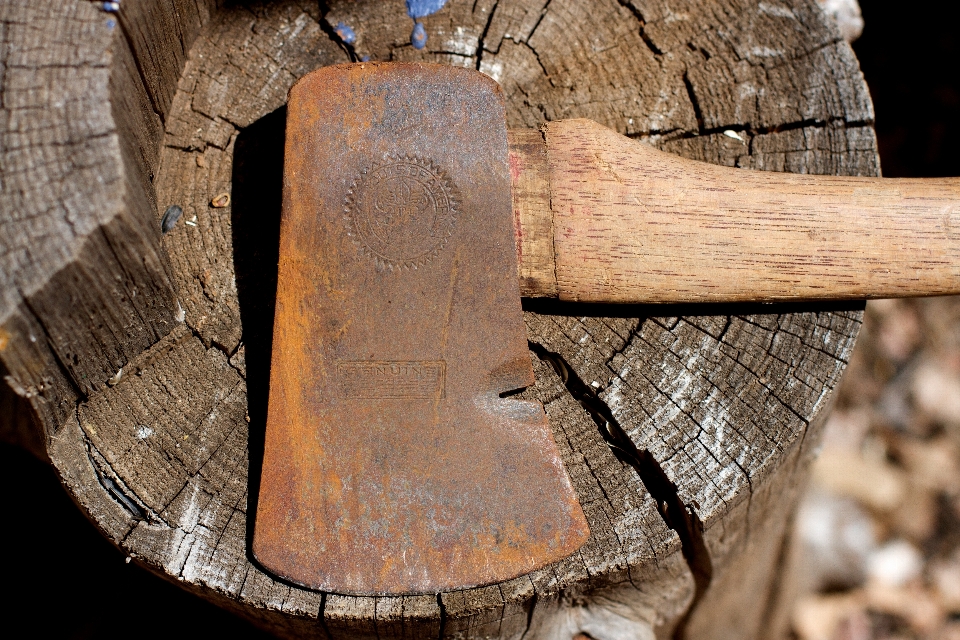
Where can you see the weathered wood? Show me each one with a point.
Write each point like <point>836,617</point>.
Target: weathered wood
<point>722,404</point>
<point>626,223</point>
<point>84,286</point>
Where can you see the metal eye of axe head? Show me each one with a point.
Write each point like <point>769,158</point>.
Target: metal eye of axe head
<point>393,463</point>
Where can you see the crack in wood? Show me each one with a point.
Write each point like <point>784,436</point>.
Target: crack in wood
<point>697,109</point>
<point>486,28</point>
<point>443,616</point>
<point>116,488</point>
<point>654,49</point>
<point>680,517</point>
<point>533,30</point>
<point>117,494</point>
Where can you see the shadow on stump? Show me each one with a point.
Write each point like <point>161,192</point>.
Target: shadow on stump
<point>257,202</point>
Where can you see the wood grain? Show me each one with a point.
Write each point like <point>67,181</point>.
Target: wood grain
<point>530,191</point>
<point>84,285</point>
<point>632,224</point>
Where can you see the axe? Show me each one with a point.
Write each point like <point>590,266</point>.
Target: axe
<point>396,460</point>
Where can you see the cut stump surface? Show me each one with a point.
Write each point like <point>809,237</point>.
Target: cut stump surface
<point>721,405</point>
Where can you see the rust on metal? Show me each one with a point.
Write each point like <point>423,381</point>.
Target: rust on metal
<point>392,462</point>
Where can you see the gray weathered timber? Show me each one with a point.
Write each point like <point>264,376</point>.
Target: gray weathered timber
<point>84,286</point>
<point>103,129</point>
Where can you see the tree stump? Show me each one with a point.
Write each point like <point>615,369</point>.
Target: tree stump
<point>138,364</point>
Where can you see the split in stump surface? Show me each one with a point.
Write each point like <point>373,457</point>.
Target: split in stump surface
<point>719,408</point>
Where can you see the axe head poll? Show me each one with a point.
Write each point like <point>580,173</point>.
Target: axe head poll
<point>393,461</point>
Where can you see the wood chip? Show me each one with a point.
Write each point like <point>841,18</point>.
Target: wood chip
<point>220,201</point>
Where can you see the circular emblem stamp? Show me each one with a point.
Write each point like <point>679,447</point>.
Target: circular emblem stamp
<point>402,211</point>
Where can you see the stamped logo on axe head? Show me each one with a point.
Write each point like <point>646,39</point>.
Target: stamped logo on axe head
<point>393,463</point>
<point>402,211</point>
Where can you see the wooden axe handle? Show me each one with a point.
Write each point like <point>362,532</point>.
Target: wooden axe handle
<point>604,218</point>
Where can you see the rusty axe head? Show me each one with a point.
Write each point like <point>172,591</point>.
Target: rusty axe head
<point>393,463</point>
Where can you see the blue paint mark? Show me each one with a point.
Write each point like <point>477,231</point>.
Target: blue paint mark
<point>419,36</point>
<point>345,32</point>
<point>111,23</point>
<point>111,7</point>
<point>421,8</point>
<point>365,59</point>
<point>417,9</point>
